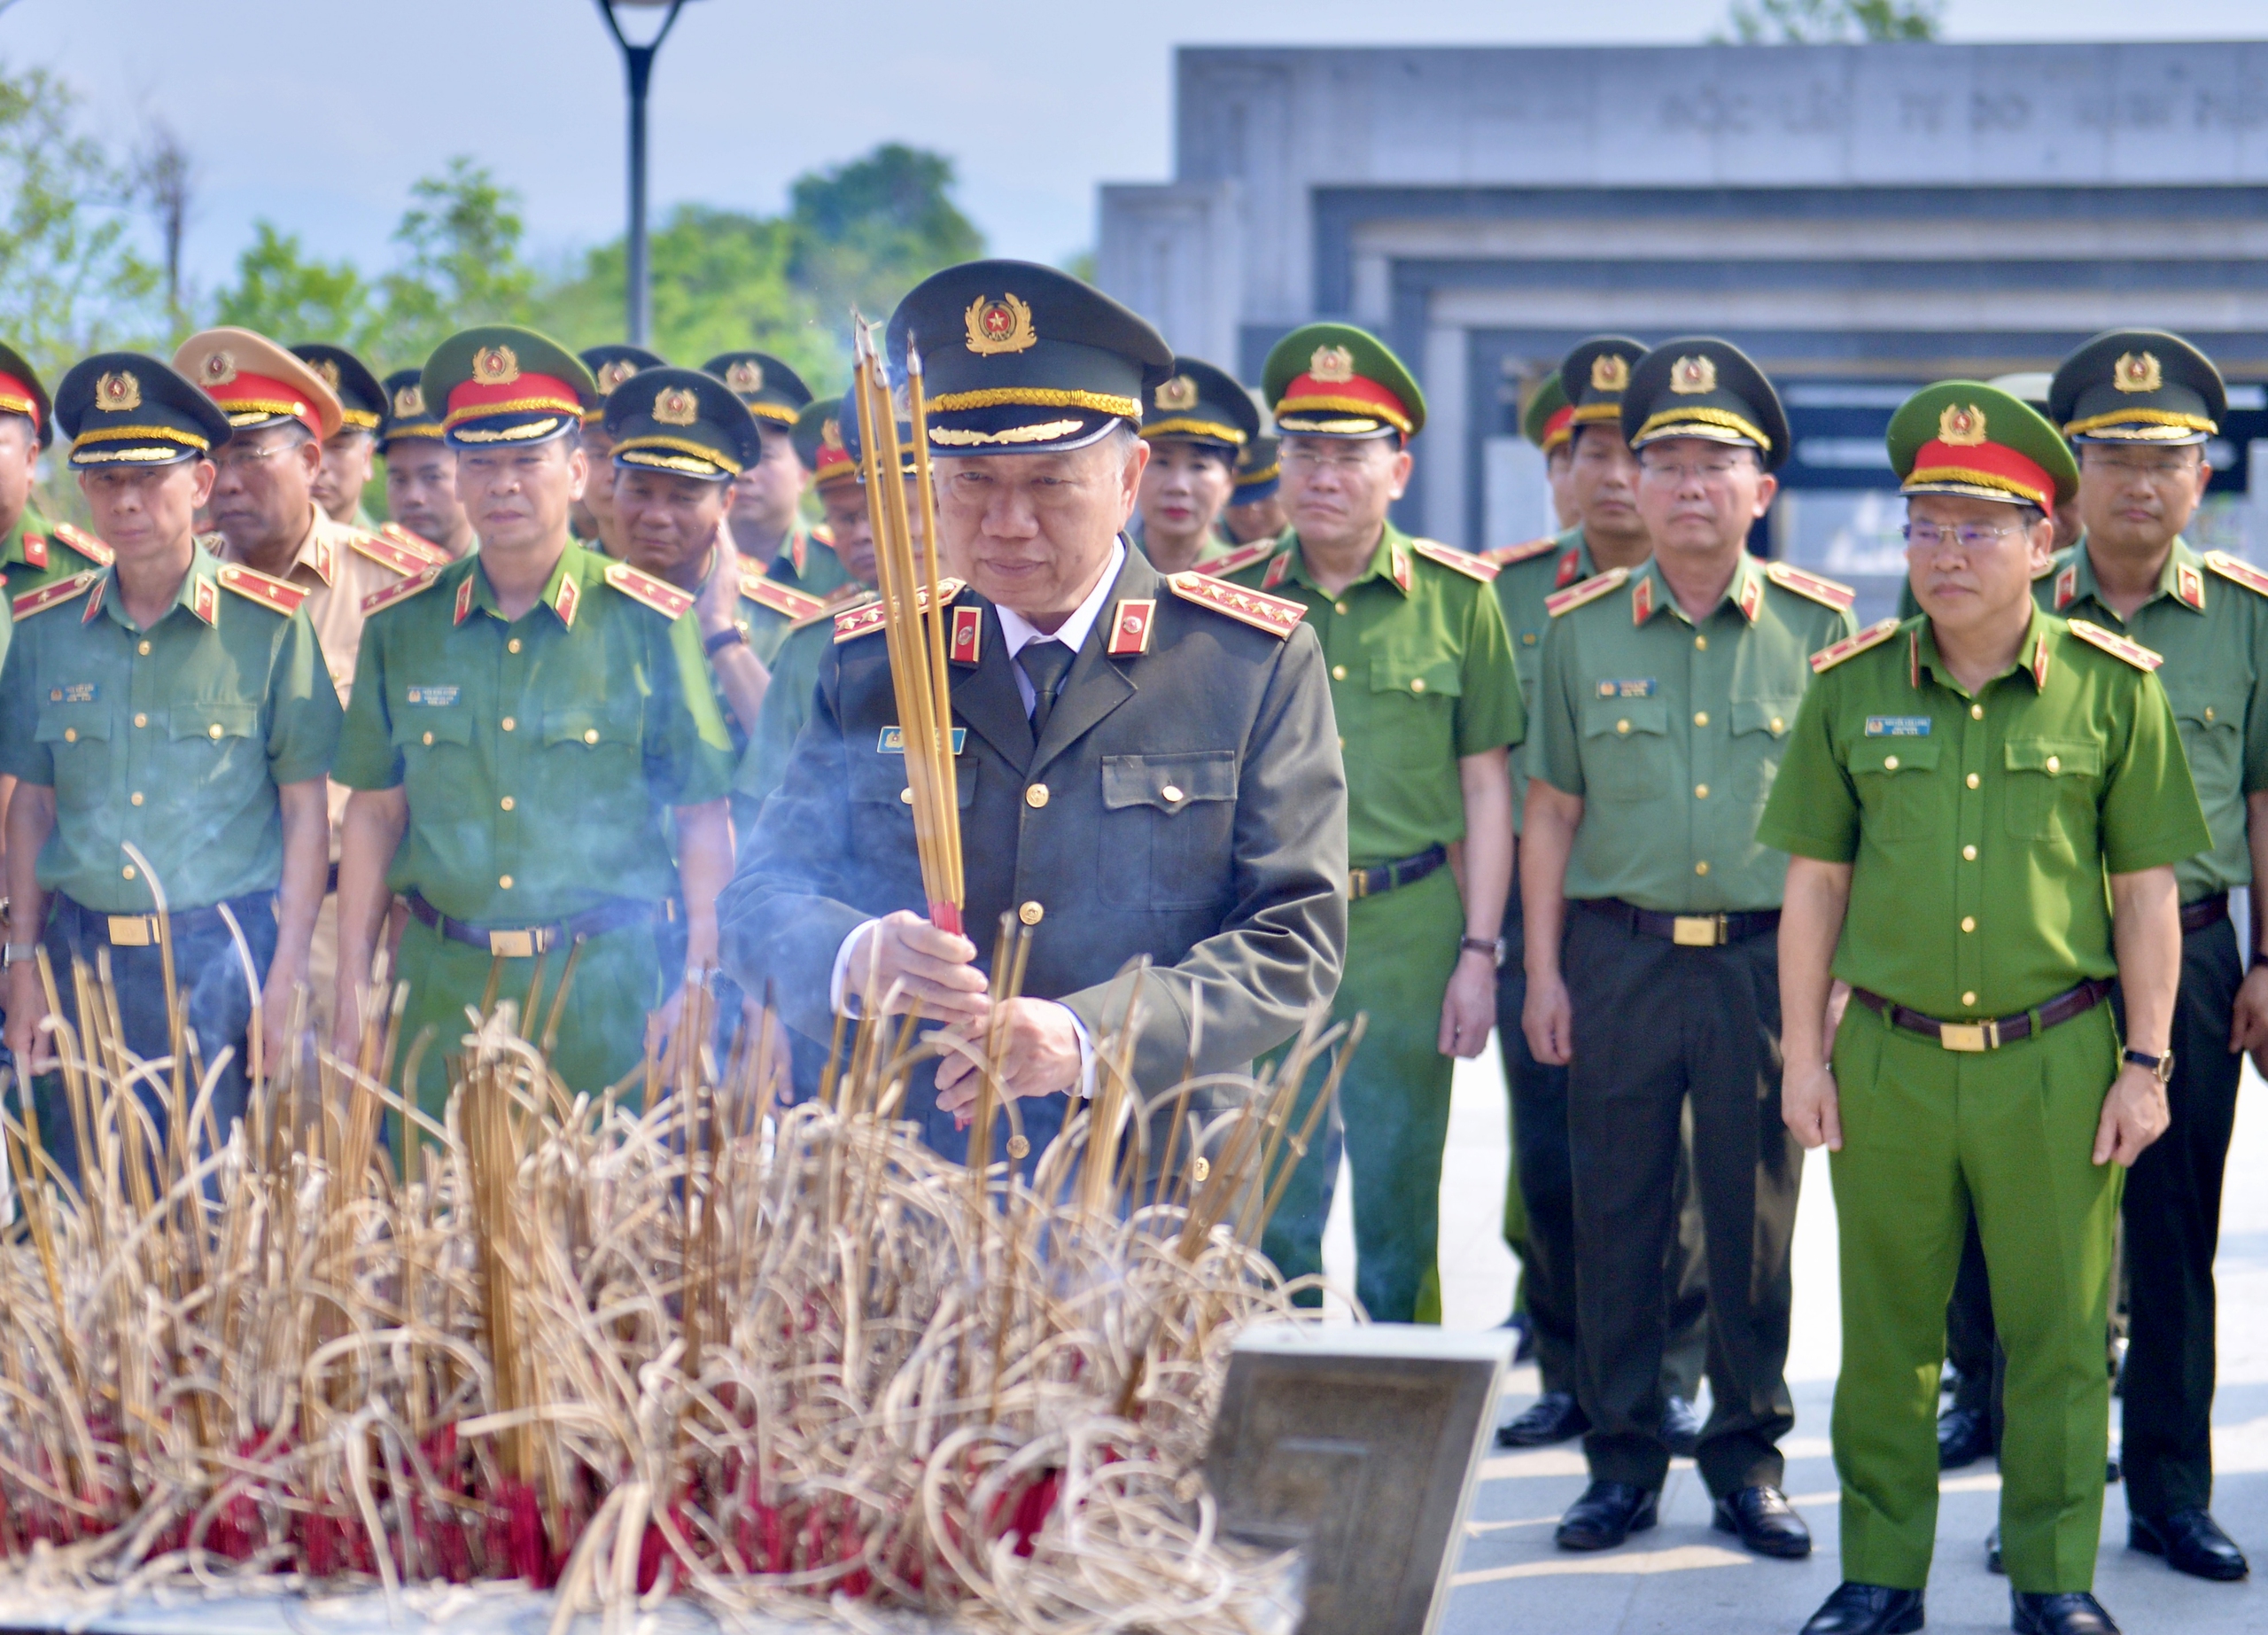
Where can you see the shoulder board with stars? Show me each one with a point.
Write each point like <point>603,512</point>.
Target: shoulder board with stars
<point>2133,652</point>
<point>378,600</point>
<point>834,604</point>
<point>869,617</point>
<point>1851,646</point>
<point>276,594</point>
<point>53,595</point>
<point>1277,615</point>
<point>1824,591</point>
<point>390,553</point>
<point>1449,557</point>
<point>433,553</point>
<point>85,543</point>
<point>1237,560</point>
<point>657,594</point>
<point>1505,556</point>
<point>779,598</point>
<point>1590,590</point>
<point>2237,569</point>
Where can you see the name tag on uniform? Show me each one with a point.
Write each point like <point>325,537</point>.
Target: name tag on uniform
<point>893,741</point>
<point>436,696</point>
<point>1628,687</point>
<point>75,692</point>
<point>1898,726</point>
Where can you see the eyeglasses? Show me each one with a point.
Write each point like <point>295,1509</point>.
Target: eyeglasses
<point>1307,460</point>
<point>1970,535</point>
<point>243,459</point>
<point>2165,468</point>
<point>1712,472</point>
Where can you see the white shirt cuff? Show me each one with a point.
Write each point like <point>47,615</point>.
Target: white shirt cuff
<point>839,999</point>
<point>1086,1054</point>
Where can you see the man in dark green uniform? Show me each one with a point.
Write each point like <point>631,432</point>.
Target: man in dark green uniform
<point>1427,700</point>
<point>2140,405</point>
<point>1956,791</point>
<point>34,553</point>
<point>594,519</point>
<point>767,522</point>
<point>168,721</point>
<point>1666,695</point>
<point>1196,423</point>
<point>1255,511</point>
<point>421,504</point>
<point>348,452</point>
<point>523,722</point>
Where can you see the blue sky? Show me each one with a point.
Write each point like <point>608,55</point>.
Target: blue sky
<point>319,115</point>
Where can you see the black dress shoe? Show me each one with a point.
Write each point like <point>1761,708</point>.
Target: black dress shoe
<point>1607,1513</point>
<point>1766,1522</point>
<point>2058,1614</point>
<point>1866,1609</point>
<point>1554,1416</point>
<point>1992,1562</point>
<point>1964,1436</point>
<point>2192,1542</point>
<point>1681,1427</point>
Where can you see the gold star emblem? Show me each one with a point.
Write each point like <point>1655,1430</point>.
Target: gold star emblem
<point>218,370</point>
<point>407,402</point>
<point>1961,425</point>
<point>2138,372</point>
<point>677,406</point>
<point>328,368</point>
<point>999,326</point>
<point>1611,372</point>
<point>118,392</point>
<point>745,377</point>
<point>495,366</point>
<point>1693,376</point>
<point>1332,365</point>
<point>613,374</point>
<point>1177,393</point>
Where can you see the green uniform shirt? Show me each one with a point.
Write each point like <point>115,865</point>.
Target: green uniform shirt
<point>174,738</point>
<point>1421,673</point>
<point>540,755</point>
<point>787,706</point>
<point>1530,574</point>
<point>1978,829</point>
<point>2210,624</point>
<point>35,555</point>
<point>1671,731</point>
<point>808,563</point>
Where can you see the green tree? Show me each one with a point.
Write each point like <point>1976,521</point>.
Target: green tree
<point>868,231</point>
<point>1815,23</point>
<point>283,293</point>
<point>461,264</point>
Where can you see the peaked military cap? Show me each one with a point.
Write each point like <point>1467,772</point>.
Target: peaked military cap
<point>21,393</point>
<point>612,365</point>
<point>819,445</point>
<point>1549,420</point>
<point>1698,386</point>
<point>1018,358</point>
<point>774,393</point>
<point>2137,387</point>
<point>1336,380</point>
<point>681,421</point>
<point>1258,472</point>
<point>361,399</point>
<point>1199,403</point>
<point>498,382</point>
<point>2026,385</point>
<point>129,408</point>
<point>407,414</point>
<point>1966,438</point>
<point>1596,375</point>
<point>257,382</point>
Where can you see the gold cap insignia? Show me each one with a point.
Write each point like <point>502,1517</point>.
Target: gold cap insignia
<point>495,366</point>
<point>1961,425</point>
<point>328,368</point>
<point>218,370</point>
<point>1692,377</point>
<point>1179,393</point>
<point>677,407</point>
<point>1332,365</point>
<point>1610,372</point>
<point>1004,326</point>
<point>614,373</point>
<point>118,392</point>
<point>2136,372</point>
<point>408,400</point>
<point>745,377</point>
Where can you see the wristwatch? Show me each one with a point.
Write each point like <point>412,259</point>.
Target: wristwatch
<point>2160,1066</point>
<point>1477,945</point>
<point>17,954</point>
<point>716,644</point>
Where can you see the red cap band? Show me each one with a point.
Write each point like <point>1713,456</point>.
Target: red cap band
<point>1558,428</point>
<point>248,393</point>
<point>1984,466</point>
<point>1354,395</point>
<point>524,393</point>
<point>16,398</point>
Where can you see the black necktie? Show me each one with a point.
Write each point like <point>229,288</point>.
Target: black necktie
<point>1045,665</point>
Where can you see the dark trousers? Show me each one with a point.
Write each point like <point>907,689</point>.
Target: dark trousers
<point>209,977</point>
<point>1657,1027</point>
<point>2172,1220</point>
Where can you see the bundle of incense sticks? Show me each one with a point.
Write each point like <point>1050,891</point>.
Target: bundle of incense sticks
<point>914,616</point>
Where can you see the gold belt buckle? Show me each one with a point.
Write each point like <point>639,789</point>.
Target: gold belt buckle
<point>1970,1035</point>
<point>512,945</point>
<point>133,931</point>
<point>1358,883</point>
<point>1697,931</point>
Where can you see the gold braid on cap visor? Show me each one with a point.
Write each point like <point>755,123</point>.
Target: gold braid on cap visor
<point>1709,422</point>
<point>1212,430</point>
<point>513,406</point>
<point>1975,484</point>
<point>2168,423</point>
<point>358,420</point>
<point>1345,406</point>
<point>123,433</point>
<point>1597,412</point>
<point>1034,397</point>
<point>242,411</point>
<point>629,446</point>
<point>781,412</point>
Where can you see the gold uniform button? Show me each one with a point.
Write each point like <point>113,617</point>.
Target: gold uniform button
<point>1976,711</point>
<point>510,723</point>
<point>1700,718</point>
<point>70,734</point>
<point>1779,724</point>
<point>590,734</point>
<point>1417,684</point>
<point>512,646</point>
<point>1969,998</point>
<point>1972,780</point>
<point>1700,645</point>
<point>1700,791</point>
<point>429,737</point>
<point>1199,1170</point>
<point>505,881</point>
<point>1969,853</point>
<point>136,797</point>
<point>127,871</point>
<point>506,803</point>
<point>1890,763</point>
<point>906,794</point>
<point>141,721</point>
<point>1030,913</point>
<point>1968,922</point>
<point>2055,763</point>
<point>1701,868</point>
<point>1019,1147</point>
<point>1338,672</point>
<point>1339,607</point>
<point>1622,726</point>
<point>213,731</point>
<point>1171,791</point>
<point>1036,796</point>
<point>143,648</point>
<point>2208,712</point>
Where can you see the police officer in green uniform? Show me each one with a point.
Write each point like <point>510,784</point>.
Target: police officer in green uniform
<point>1196,423</point>
<point>2140,405</point>
<point>1427,700</point>
<point>421,504</point>
<point>594,522</point>
<point>34,553</point>
<point>168,721</point>
<point>767,524</point>
<point>523,721</point>
<point>1255,511</point>
<point>1549,421</point>
<point>348,452</point>
<point>1665,701</point>
<point>1956,791</point>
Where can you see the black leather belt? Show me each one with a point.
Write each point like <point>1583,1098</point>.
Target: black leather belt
<point>2003,1030</point>
<point>523,942</point>
<point>1687,930</point>
<point>2204,912</point>
<point>1401,871</point>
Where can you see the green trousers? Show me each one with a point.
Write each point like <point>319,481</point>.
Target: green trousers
<point>1393,1117</point>
<point>602,1026</point>
<point>1929,1135</point>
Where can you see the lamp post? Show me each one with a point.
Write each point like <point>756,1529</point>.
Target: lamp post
<point>638,67</point>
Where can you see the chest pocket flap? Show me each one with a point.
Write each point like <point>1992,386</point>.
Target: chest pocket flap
<point>214,720</point>
<point>1421,675</point>
<point>590,724</point>
<point>73,724</point>
<point>1168,782</point>
<point>883,778</point>
<point>1893,756</point>
<point>1772,715</point>
<point>1624,718</point>
<point>416,724</point>
<point>2206,709</point>
<point>2056,757</point>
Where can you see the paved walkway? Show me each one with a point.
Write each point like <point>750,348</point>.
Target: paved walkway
<point>1684,1577</point>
